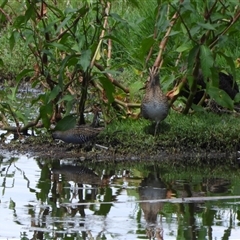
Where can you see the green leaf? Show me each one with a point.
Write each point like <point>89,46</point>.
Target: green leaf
<point>66,123</point>
<point>67,98</point>
<point>115,39</point>
<point>59,46</point>
<point>3,3</point>
<point>230,62</point>
<point>206,59</point>
<point>21,116</point>
<point>12,40</point>
<point>197,108</point>
<point>237,98</point>
<point>146,44</point>
<point>117,18</point>
<point>19,21</point>
<point>69,107</point>
<point>46,112</point>
<point>192,57</point>
<point>85,59</point>
<point>30,13</point>
<point>53,94</point>
<point>23,73</point>
<point>184,47</point>
<point>108,87</point>
<point>63,23</point>
<point>207,26</point>
<point>220,96</point>
<point>56,10</point>
<point>1,62</point>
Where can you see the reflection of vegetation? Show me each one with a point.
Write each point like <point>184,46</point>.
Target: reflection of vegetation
<point>66,209</point>
<point>76,53</point>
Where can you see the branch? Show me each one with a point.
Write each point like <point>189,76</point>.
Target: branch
<point>6,15</point>
<point>19,129</point>
<point>110,78</point>
<point>102,34</point>
<point>234,20</point>
<point>159,61</point>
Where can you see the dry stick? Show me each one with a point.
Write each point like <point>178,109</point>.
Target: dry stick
<point>154,37</point>
<point>24,128</point>
<point>102,34</point>
<point>6,15</point>
<point>159,61</point>
<point>121,103</point>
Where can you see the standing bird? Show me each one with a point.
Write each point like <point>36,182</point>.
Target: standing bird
<point>80,134</point>
<point>154,105</point>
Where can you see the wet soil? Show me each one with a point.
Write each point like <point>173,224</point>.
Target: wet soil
<point>112,151</point>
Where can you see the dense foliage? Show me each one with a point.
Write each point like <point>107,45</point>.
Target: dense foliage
<point>91,52</point>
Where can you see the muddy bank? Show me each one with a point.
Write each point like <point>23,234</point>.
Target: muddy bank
<point>111,152</point>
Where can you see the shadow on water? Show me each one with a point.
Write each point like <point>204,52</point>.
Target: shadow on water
<point>65,199</point>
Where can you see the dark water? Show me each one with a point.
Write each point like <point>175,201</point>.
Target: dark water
<point>45,199</point>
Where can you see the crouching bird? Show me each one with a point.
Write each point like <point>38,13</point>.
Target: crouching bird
<point>154,104</point>
<point>80,134</point>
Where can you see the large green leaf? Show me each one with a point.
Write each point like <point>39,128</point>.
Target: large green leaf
<point>53,94</point>
<point>237,98</point>
<point>46,112</point>
<point>66,123</point>
<point>19,21</point>
<point>146,44</point>
<point>85,59</point>
<point>192,57</point>
<point>230,63</point>
<point>220,96</point>
<point>184,47</point>
<point>108,87</point>
<point>207,26</point>
<point>206,59</point>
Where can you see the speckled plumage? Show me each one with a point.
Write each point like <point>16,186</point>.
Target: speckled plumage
<point>78,135</point>
<point>154,105</point>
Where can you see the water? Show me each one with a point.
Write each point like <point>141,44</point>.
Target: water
<point>45,199</point>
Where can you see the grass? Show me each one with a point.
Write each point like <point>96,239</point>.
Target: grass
<point>201,131</point>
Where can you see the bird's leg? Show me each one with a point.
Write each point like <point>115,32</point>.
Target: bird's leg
<point>156,128</point>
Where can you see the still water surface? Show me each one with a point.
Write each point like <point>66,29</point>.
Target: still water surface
<point>65,199</point>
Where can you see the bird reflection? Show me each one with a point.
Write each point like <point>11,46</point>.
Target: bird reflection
<point>215,185</point>
<point>78,174</point>
<point>152,188</point>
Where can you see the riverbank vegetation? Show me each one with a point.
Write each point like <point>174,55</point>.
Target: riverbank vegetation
<point>99,52</point>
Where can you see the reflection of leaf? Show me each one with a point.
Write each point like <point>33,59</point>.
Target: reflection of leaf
<point>12,204</point>
<point>220,96</point>
<point>66,123</point>
<point>105,208</point>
